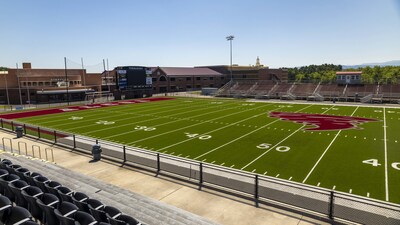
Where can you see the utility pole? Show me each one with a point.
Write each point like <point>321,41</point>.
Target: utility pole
<point>19,87</point>
<point>108,76</point>
<point>83,74</point>
<point>66,79</point>
<point>105,74</point>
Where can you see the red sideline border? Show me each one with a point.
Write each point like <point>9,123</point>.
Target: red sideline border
<point>18,115</point>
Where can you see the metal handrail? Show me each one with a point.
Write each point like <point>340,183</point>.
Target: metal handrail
<point>33,150</point>
<point>52,154</point>
<point>19,147</point>
<point>4,146</point>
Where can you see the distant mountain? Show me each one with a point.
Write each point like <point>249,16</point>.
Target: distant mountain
<point>388,63</point>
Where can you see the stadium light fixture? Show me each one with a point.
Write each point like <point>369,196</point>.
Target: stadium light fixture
<point>230,39</point>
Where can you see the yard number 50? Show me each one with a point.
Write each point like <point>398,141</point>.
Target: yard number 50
<point>279,148</point>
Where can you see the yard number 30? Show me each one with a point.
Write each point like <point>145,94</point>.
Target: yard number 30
<point>374,162</point>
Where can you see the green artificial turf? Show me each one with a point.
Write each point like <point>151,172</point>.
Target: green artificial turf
<point>241,135</point>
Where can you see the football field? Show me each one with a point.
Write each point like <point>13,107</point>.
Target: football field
<point>353,149</point>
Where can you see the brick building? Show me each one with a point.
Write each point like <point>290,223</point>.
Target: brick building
<point>46,85</point>
<point>172,79</point>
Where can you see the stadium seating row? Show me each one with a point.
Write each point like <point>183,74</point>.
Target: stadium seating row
<point>270,89</point>
<point>30,198</point>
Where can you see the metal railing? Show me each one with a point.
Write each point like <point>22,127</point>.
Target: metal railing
<point>327,203</point>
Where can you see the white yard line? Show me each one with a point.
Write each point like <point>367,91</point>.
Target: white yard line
<point>282,139</point>
<point>161,124</point>
<point>273,147</point>
<point>196,124</point>
<point>326,150</point>
<point>386,158</point>
<point>212,131</point>
<point>101,110</point>
<point>138,115</point>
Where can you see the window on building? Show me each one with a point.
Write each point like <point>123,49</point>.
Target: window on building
<point>172,79</point>
<point>197,78</point>
<point>352,77</point>
<point>188,78</point>
<point>198,86</point>
<point>222,78</point>
<point>173,88</point>
<point>211,78</point>
<point>40,83</point>
<point>211,85</point>
<point>154,79</point>
<point>163,78</point>
<point>188,86</point>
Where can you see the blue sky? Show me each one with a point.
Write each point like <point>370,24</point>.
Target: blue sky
<point>192,33</point>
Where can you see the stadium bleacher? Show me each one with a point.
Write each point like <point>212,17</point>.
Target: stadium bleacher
<point>28,197</point>
<point>302,91</point>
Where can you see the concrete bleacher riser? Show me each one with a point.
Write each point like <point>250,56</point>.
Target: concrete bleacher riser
<point>142,208</point>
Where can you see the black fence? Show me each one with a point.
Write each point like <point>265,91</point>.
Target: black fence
<point>323,202</point>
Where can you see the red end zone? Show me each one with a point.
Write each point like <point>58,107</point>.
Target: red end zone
<point>77,108</point>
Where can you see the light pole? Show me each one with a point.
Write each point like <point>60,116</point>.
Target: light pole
<point>230,39</point>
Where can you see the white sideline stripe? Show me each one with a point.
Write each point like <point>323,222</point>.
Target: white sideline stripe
<point>282,139</point>
<point>326,150</point>
<point>100,111</point>
<point>386,158</point>
<point>157,118</point>
<point>196,124</point>
<point>161,124</point>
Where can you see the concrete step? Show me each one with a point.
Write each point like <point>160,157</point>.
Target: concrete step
<point>147,210</point>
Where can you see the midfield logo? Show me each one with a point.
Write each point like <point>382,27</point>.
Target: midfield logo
<point>321,121</point>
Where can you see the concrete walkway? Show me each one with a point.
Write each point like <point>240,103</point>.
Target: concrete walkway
<point>179,199</point>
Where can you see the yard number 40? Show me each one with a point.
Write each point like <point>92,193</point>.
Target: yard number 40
<point>374,162</point>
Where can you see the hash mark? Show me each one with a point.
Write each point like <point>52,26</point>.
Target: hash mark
<point>368,194</point>
<point>253,171</point>
<point>265,172</point>
<point>318,184</point>
<point>232,166</point>
<point>213,161</point>
<point>350,191</point>
<point>222,164</point>
<point>290,178</point>
<point>277,175</point>
<point>334,187</point>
